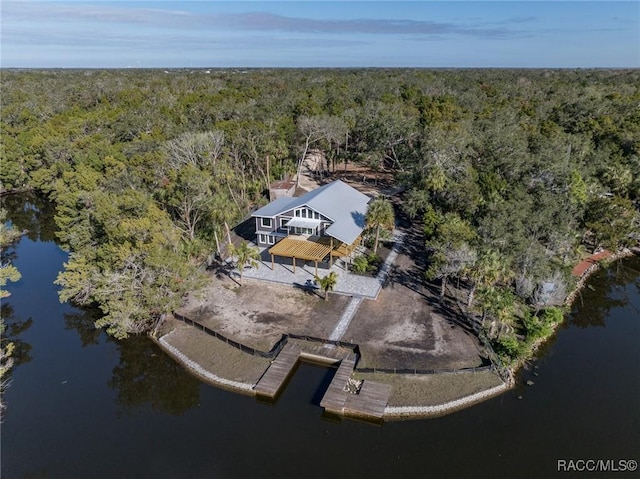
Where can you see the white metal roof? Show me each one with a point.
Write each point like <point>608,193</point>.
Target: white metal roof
<point>344,205</point>
<point>276,207</point>
<point>304,222</point>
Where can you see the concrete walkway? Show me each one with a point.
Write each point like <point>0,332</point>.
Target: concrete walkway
<point>348,314</point>
<point>352,308</point>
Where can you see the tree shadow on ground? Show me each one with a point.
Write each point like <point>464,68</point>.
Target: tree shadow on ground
<point>220,269</point>
<point>309,287</point>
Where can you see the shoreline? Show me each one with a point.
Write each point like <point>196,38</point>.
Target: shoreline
<point>571,297</point>
<point>391,413</point>
<point>567,303</point>
<point>202,373</point>
<point>417,412</point>
<point>399,413</point>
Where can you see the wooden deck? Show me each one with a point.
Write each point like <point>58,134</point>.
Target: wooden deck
<point>334,399</point>
<point>370,403</point>
<point>276,375</point>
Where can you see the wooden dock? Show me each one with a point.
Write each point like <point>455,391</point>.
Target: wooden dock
<point>334,399</point>
<point>369,403</point>
<point>276,375</point>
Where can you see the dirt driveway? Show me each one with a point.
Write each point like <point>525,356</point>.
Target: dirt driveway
<point>403,329</point>
<point>409,326</point>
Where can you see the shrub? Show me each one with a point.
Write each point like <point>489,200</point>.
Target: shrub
<point>508,347</point>
<point>541,325</point>
<point>552,316</point>
<point>366,263</point>
<point>360,264</point>
<point>374,262</point>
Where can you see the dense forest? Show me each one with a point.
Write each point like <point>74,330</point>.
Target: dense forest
<point>514,174</point>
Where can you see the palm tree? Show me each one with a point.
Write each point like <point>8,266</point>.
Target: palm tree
<point>486,272</point>
<point>327,283</point>
<point>380,217</point>
<point>244,254</point>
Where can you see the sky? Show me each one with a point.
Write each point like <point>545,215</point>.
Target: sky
<point>208,34</point>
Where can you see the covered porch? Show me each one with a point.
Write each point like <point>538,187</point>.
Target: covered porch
<point>306,249</point>
<point>281,271</point>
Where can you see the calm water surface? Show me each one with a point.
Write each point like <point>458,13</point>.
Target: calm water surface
<point>82,405</point>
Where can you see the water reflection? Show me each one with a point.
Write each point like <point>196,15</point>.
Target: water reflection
<point>14,328</point>
<point>605,290</point>
<point>144,377</point>
<point>33,214</point>
<point>83,322</point>
<point>148,377</point>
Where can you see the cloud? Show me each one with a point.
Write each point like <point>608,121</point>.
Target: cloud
<point>176,41</point>
<point>248,21</point>
<point>269,22</point>
<point>516,20</point>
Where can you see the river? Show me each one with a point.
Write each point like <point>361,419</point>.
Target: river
<point>83,405</point>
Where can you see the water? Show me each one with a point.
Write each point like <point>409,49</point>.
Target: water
<point>83,405</point>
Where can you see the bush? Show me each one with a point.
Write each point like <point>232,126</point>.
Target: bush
<point>366,263</point>
<point>508,348</point>
<point>541,326</point>
<point>552,316</point>
<point>360,264</point>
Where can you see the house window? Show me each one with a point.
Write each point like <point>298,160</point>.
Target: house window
<point>303,231</point>
<point>266,222</point>
<point>266,239</point>
<point>306,213</point>
<point>283,222</point>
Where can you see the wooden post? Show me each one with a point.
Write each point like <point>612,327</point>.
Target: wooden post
<point>215,235</point>
<point>330,255</point>
<point>316,267</point>
<point>293,258</point>
<point>228,231</point>
<point>272,265</point>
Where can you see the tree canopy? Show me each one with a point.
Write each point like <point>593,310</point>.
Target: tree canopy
<point>525,168</point>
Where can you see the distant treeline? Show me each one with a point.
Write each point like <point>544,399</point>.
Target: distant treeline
<point>515,174</point>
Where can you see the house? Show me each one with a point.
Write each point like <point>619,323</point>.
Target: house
<point>327,221</point>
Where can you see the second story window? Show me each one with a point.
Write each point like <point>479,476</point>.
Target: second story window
<point>266,222</point>
<point>306,213</point>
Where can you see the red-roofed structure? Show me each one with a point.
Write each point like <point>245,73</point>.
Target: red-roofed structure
<point>581,268</point>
